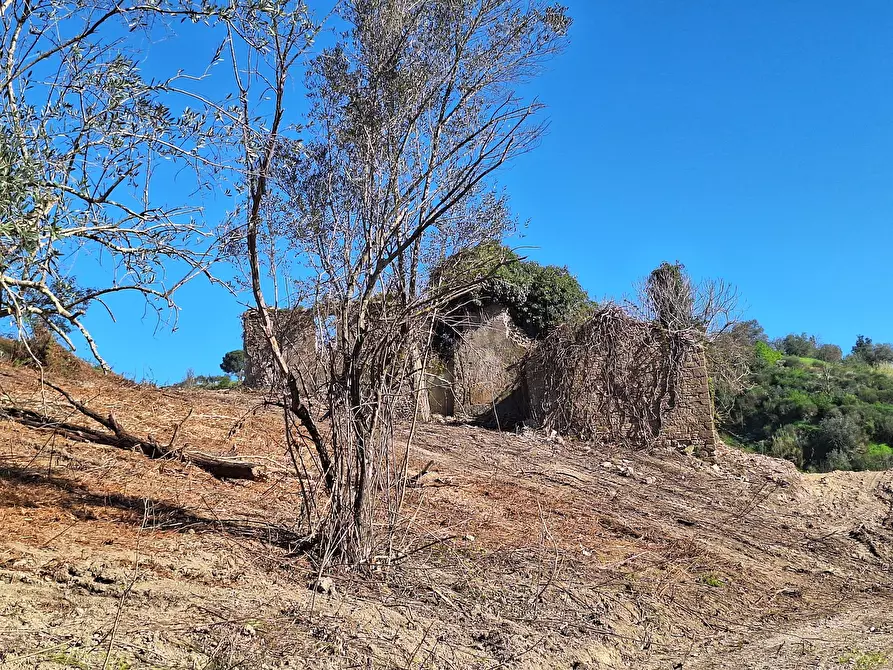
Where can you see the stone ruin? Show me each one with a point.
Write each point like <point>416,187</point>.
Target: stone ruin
<point>480,370</point>
<point>296,331</point>
<point>495,375</point>
<point>622,380</point>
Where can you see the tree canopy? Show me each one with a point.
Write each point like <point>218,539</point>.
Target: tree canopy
<point>539,298</point>
<point>86,146</point>
<point>234,363</point>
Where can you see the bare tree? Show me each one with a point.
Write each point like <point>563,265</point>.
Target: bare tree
<point>731,355</point>
<point>84,142</point>
<point>412,112</point>
<point>669,296</point>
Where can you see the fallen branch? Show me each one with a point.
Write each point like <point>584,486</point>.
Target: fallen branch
<point>221,467</point>
<point>416,480</point>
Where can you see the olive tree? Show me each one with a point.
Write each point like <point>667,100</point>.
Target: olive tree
<point>85,143</point>
<point>413,111</point>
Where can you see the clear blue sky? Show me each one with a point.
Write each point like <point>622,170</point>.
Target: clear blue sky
<point>749,140</point>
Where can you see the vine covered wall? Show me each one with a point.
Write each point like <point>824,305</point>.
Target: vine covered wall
<point>618,379</point>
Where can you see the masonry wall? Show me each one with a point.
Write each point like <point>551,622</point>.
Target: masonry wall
<point>691,421</point>
<point>485,367</point>
<point>576,391</point>
<point>296,333</point>
<point>497,376</point>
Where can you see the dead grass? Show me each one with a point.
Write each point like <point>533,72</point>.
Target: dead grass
<point>517,551</point>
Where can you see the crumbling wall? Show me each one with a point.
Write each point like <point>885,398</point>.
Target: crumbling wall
<point>691,420</point>
<point>617,379</point>
<point>439,384</point>
<point>296,332</point>
<point>612,378</point>
<point>485,367</point>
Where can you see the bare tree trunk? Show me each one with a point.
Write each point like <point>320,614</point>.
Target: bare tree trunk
<point>221,467</point>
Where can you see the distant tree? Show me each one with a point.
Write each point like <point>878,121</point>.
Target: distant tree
<point>210,382</point>
<point>738,342</point>
<point>750,332</point>
<point>863,349</point>
<point>830,353</point>
<point>883,353</point>
<point>189,379</point>
<point>234,363</point>
<point>866,351</point>
<point>803,345</point>
<point>838,416</point>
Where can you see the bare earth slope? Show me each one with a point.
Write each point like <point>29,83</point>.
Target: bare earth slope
<point>518,552</point>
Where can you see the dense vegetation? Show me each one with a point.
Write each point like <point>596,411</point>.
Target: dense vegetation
<point>208,382</point>
<point>807,403</point>
<point>538,297</point>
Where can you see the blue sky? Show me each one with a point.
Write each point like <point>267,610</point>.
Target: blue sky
<point>749,140</point>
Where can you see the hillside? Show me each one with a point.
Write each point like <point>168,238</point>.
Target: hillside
<point>518,551</point>
<point>820,415</point>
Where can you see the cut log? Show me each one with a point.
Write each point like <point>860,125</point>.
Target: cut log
<point>415,480</point>
<point>221,467</point>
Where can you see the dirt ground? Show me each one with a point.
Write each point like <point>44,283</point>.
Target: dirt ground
<point>519,551</point>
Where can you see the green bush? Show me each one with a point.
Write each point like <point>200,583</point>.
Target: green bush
<point>766,354</point>
<point>874,457</point>
<point>539,298</point>
<point>881,424</point>
<point>786,444</point>
<point>832,412</point>
<point>209,382</point>
<point>867,394</point>
<point>837,433</point>
<point>830,353</point>
<point>837,460</point>
<point>553,296</point>
<point>798,406</point>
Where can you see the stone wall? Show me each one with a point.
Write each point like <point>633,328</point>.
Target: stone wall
<point>296,332</point>
<point>497,376</point>
<point>485,367</point>
<point>691,421</point>
<point>649,388</point>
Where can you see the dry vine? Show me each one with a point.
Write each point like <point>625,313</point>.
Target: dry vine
<point>613,377</point>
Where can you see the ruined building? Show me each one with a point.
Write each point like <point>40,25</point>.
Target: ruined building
<point>618,379</point>
<point>296,332</point>
<point>480,369</point>
<point>610,378</point>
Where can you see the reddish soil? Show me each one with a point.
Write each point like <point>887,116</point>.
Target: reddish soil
<point>519,551</point>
